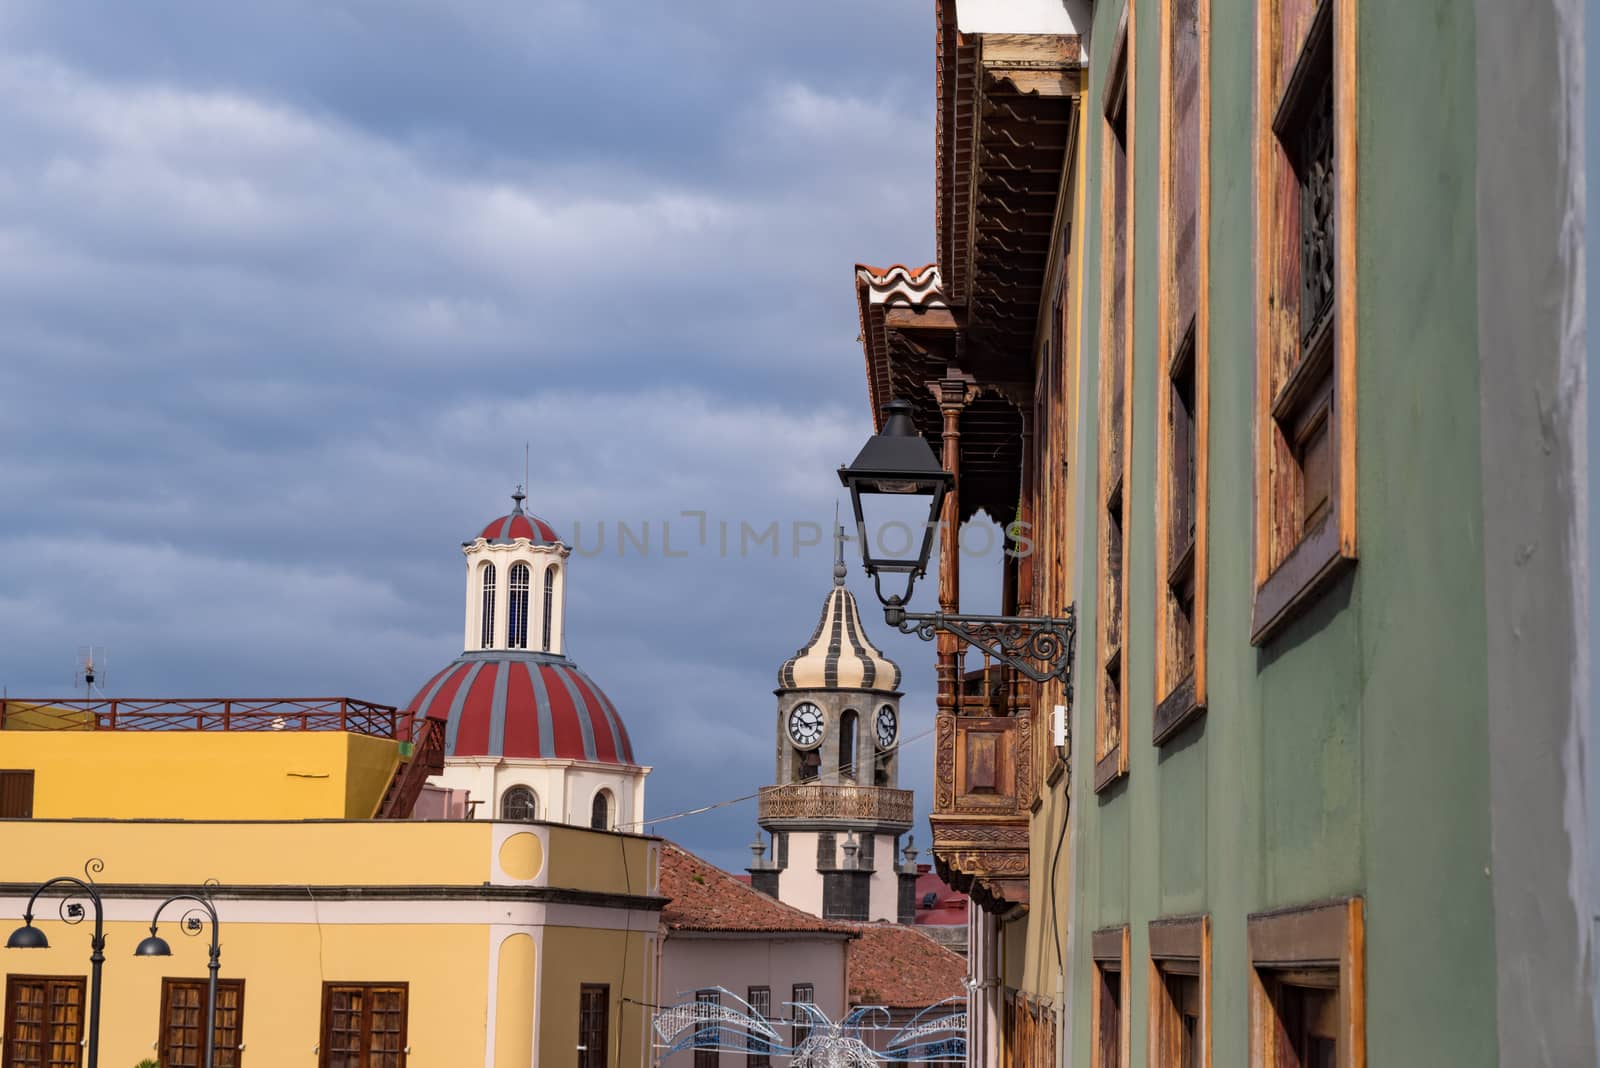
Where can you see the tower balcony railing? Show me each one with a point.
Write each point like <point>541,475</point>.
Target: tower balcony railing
<point>805,801</point>
<point>207,714</point>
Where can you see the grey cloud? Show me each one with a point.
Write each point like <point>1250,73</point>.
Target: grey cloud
<point>284,288</point>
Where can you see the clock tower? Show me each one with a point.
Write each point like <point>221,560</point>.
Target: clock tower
<point>835,814</point>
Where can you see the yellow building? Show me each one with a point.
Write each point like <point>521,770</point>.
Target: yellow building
<point>346,940</point>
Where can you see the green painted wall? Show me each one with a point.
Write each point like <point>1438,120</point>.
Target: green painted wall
<point>1350,755</point>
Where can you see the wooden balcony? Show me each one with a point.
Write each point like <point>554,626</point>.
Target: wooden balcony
<point>808,802</point>
<point>984,780</point>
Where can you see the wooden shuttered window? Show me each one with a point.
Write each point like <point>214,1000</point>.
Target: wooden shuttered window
<point>1116,359</point>
<point>1180,994</point>
<point>1305,361</point>
<point>16,794</point>
<point>1308,991</point>
<point>1109,1033</point>
<point>44,1021</point>
<point>1182,352</point>
<point>594,1007</point>
<point>363,1025</point>
<point>183,1012</point>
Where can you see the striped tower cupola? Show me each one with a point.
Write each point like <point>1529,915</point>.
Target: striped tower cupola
<point>835,813</point>
<point>839,655</point>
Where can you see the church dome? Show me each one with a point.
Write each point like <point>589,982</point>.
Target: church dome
<point>519,524</point>
<point>839,655</point>
<point>523,705</point>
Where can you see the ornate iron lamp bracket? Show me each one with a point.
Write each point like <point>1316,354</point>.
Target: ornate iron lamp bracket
<point>1040,647</point>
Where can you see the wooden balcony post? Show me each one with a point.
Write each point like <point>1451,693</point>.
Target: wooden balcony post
<point>954,394</point>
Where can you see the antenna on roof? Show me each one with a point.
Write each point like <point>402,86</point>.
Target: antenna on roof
<point>525,482</point>
<point>91,670</point>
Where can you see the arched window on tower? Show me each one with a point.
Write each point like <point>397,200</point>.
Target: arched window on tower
<point>519,803</point>
<point>600,812</point>
<point>517,619</point>
<point>807,762</point>
<point>487,639</point>
<point>549,603</point>
<point>847,744</point>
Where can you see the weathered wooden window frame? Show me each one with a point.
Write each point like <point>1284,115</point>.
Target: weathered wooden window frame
<point>226,1056</point>
<point>1329,939</point>
<point>1182,348</point>
<point>77,982</point>
<point>1178,946</point>
<point>1111,754</point>
<point>325,1031</point>
<point>588,1057</point>
<point>1108,948</point>
<point>16,793</point>
<point>1291,571</point>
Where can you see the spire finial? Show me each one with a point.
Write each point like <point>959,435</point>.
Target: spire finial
<point>517,498</point>
<point>839,570</point>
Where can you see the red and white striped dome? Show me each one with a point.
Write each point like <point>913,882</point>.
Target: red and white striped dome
<point>539,706</point>
<point>519,524</point>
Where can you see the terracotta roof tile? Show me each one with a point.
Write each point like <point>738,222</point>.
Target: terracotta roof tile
<point>900,967</point>
<point>706,898</point>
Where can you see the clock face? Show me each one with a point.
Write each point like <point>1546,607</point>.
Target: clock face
<point>805,725</point>
<point>886,724</point>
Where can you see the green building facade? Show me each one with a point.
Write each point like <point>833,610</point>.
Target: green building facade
<point>1407,739</point>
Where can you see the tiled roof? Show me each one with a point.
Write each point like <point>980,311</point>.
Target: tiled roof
<point>900,967</point>
<point>706,898</point>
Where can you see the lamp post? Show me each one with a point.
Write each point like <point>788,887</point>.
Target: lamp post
<point>156,946</point>
<point>897,465</point>
<point>30,937</point>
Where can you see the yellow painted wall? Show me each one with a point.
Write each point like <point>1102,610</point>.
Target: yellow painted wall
<point>596,860</point>
<point>333,853</point>
<point>284,966</point>
<point>202,774</point>
<point>575,956</point>
<point>516,987</point>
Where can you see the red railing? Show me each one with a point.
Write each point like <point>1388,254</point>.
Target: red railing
<point>427,758</point>
<point>208,714</point>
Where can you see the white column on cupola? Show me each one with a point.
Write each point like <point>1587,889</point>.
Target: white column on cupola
<point>541,559</point>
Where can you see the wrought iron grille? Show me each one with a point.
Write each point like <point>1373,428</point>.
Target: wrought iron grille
<point>1314,170</point>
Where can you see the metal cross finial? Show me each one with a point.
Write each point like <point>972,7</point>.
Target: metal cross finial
<point>839,570</point>
<point>517,498</point>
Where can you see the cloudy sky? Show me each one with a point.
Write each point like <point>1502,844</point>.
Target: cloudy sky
<point>285,288</point>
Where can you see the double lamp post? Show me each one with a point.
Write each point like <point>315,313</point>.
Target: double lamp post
<point>72,912</point>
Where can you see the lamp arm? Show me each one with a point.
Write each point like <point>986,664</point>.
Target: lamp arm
<point>1020,642</point>
<point>78,885</point>
<point>203,902</point>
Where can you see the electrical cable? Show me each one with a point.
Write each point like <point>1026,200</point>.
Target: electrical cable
<point>850,768</point>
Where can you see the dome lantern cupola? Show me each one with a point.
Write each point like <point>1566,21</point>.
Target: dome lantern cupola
<point>516,583</point>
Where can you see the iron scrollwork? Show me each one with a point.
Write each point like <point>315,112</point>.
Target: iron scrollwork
<point>1040,647</point>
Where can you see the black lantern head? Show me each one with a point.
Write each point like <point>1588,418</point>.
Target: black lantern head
<point>27,937</point>
<point>894,468</point>
<point>153,946</point>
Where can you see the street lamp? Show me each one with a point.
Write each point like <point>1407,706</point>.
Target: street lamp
<point>156,946</point>
<point>897,464</point>
<point>30,937</point>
